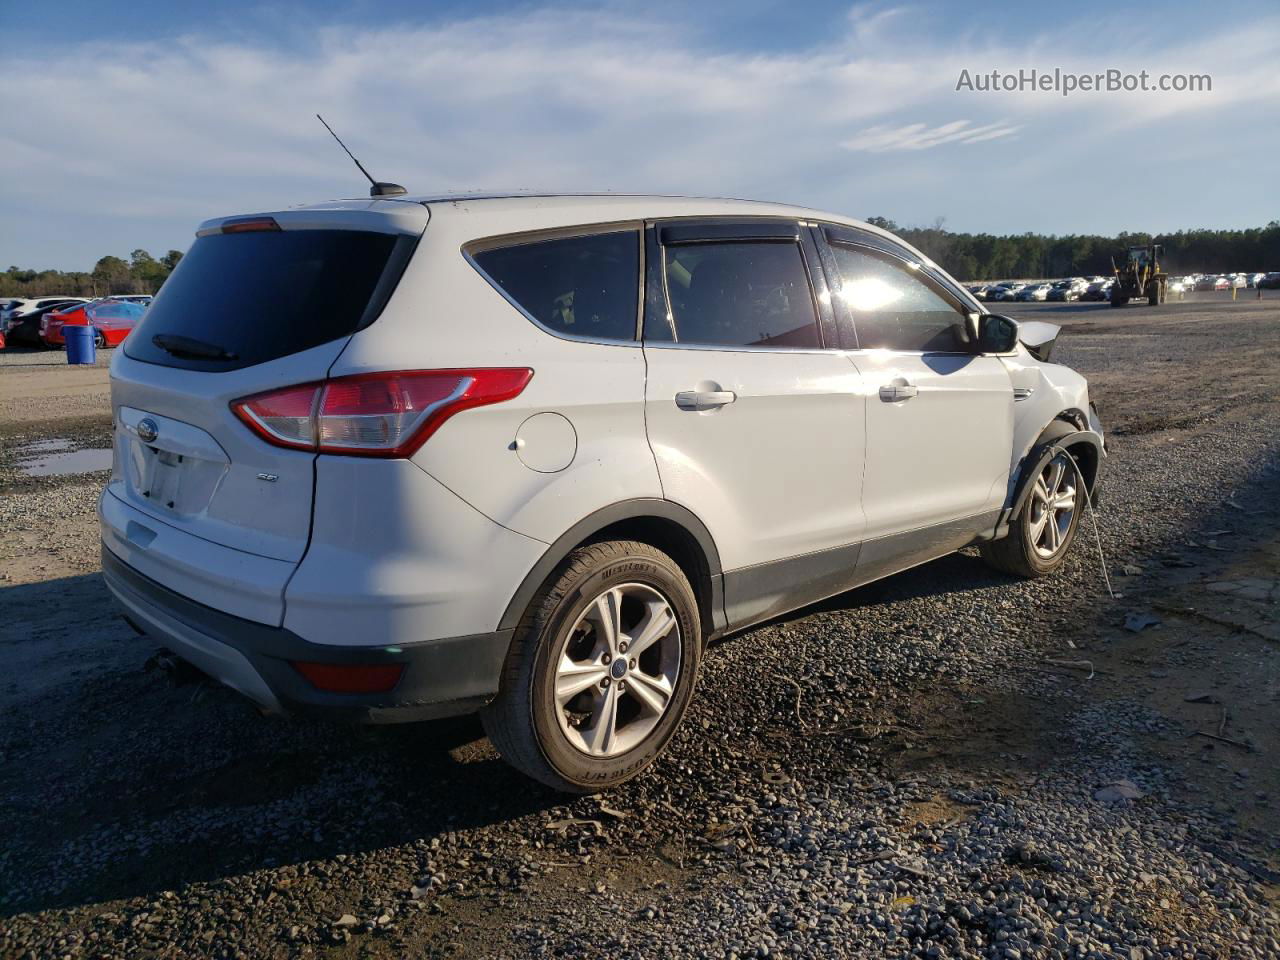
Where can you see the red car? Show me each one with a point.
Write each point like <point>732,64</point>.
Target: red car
<point>112,321</point>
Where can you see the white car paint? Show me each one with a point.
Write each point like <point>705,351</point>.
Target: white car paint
<point>403,561</point>
<point>942,455</point>
<point>776,473</point>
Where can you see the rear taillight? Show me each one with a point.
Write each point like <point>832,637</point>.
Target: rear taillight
<point>375,414</point>
<point>286,417</point>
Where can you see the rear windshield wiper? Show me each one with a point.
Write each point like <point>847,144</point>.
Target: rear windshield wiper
<point>189,347</point>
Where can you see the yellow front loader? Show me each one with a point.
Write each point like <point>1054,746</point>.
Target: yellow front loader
<point>1140,276</point>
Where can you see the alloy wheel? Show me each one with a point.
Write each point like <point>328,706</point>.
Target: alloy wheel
<point>617,669</point>
<point>1053,505</point>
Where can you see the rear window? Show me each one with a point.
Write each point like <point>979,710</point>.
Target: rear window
<point>255,297</point>
<point>574,286</point>
<point>116,311</point>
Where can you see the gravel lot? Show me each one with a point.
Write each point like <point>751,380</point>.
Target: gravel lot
<point>924,767</point>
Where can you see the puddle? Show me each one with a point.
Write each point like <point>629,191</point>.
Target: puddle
<point>36,447</point>
<point>48,463</point>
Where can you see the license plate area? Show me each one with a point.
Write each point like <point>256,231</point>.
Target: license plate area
<point>176,471</point>
<point>163,484</point>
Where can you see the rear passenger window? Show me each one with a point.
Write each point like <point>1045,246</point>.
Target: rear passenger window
<point>750,294</point>
<point>577,286</point>
<point>892,309</point>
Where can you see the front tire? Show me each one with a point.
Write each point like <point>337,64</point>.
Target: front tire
<point>601,670</point>
<point>1041,535</point>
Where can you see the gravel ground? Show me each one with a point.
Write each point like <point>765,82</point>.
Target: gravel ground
<point>948,763</point>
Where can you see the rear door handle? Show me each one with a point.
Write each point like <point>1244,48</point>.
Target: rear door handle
<point>704,399</point>
<point>898,390</point>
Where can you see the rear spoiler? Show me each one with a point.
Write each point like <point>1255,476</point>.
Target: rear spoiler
<point>374,216</point>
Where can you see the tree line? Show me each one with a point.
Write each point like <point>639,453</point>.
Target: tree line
<point>985,256</point>
<point>141,273</point>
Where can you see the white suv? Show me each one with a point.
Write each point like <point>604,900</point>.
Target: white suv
<point>405,458</point>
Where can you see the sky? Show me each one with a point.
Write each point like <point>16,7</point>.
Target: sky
<point>124,126</point>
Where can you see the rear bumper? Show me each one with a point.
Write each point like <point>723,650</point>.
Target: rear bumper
<point>441,678</point>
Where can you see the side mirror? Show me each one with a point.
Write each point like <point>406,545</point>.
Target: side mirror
<point>997,334</point>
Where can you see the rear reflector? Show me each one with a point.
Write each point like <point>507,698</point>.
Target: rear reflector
<point>375,414</point>
<point>250,225</point>
<point>350,677</point>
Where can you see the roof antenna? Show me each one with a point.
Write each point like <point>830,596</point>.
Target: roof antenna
<point>379,189</point>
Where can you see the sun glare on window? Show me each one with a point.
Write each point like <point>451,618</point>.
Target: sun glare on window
<point>869,293</point>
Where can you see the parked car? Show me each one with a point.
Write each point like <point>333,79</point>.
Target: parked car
<point>142,298</point>
<point>468,466</point>
<point>111,320</point>
<point>24,329</point>
<point>1034,291</point>
<point>1008,291</point>
<point>1270,281</point>
<point>21,306</point>
<point>1098,291</point>
<point>1065,290</point>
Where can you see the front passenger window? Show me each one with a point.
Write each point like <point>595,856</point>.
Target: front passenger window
<point>894,310</point>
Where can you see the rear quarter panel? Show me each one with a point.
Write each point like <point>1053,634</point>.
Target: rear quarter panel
<point>444,314</point>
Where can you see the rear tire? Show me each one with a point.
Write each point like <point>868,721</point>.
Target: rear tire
<point>1041,534</point>
<point>601,669</point>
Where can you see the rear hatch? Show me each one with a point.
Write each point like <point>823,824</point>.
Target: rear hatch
<point>256,304</point>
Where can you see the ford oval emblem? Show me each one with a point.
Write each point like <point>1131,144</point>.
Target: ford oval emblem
<point>147,430</point>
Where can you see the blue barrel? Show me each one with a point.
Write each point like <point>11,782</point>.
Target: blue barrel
<point>79,339</point>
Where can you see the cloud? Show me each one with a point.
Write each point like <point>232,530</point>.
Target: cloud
<point>918,136</point>
<point>170,131</point>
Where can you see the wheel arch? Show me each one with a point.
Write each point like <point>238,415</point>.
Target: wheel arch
<point>671,528</point>
<point>1067,431</point>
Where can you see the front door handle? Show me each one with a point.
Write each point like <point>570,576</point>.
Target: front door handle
<point>704,399</point>
<point>897,391</point>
